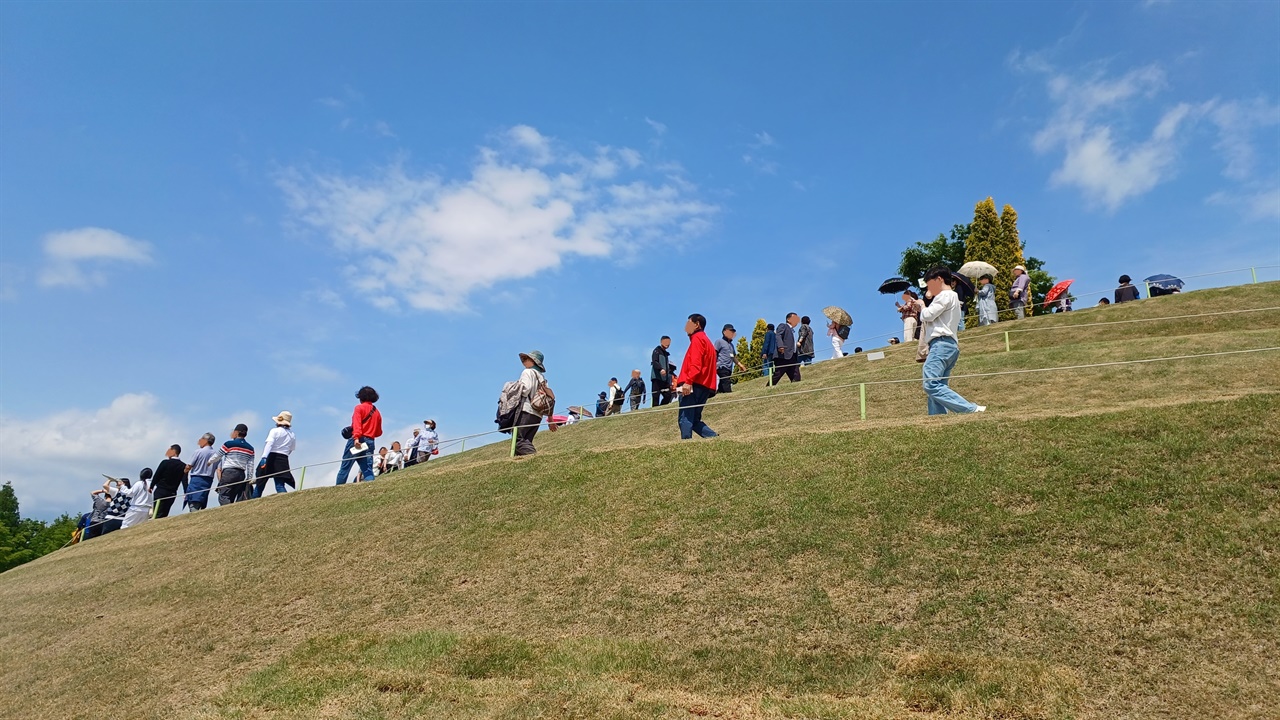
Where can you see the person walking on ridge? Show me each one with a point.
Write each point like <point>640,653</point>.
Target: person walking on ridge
<point>941,320</point>
<point>235,467</point>
<point>1126,292</point>
<point>170,474</point>
<point>697,381</point>
<point>1020,291</point>
<point>769,351</point>
<point>276,450</point>
<point>787,362</point>
<point>660,373</point>
<point>987,312</point>
<point>200,472</point>
<point>533,403</point>
<point>635,390</point>
<point>804,341</point>
<point>726,359</point>
<point>366,427</point>
<point>837,340</point>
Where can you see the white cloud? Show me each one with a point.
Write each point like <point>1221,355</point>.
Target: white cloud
<point>763,139</point>
<point>76,257</point>
<point>1089,126</point>
<point>381,127</point>
<point>429,242</point>
<point>1236,122</point>
<point>658,127</point>
<point>120,439</point>
<point>1261,204</point>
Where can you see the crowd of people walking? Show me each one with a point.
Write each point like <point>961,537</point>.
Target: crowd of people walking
<point>235,472</point>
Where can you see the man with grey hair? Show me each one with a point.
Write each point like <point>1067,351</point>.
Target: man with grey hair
<point>200,473</point>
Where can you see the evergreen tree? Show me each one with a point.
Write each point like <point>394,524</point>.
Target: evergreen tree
<point>9,508</point>
<point>984,245</point>
<point>749,350</point>
<point>25,539</point>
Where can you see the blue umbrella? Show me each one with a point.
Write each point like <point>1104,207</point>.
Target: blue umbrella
<point>1158,285</point>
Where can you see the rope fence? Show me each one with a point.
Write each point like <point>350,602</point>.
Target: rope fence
<point>673,406</point>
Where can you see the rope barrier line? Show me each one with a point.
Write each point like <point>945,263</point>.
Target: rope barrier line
<point>808,391</point>
<point>753,373</point>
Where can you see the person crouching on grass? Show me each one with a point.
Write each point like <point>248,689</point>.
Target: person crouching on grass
<point>697,381</point>
<point>941,320</point>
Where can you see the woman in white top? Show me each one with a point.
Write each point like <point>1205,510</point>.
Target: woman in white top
<point>528,420</point>
<point>275,456</point>
<point>395,458</point>
<point>140,501</point>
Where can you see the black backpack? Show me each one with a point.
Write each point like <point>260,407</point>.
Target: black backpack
<point>843,332</point>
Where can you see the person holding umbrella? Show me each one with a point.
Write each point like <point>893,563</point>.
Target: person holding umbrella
<point>838,328</point>
<point>941,323</point>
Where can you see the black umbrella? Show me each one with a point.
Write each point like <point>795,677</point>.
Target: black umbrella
<point>894,285</point>
<point>1158,285</point>
<point>964,286</point>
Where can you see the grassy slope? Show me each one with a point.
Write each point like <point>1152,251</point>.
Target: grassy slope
<point>1116,561</point>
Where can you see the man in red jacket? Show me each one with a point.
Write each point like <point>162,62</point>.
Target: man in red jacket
<point>697,381</point>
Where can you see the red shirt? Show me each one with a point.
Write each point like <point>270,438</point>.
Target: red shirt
<point>699,366</point>
<point>366,422</point>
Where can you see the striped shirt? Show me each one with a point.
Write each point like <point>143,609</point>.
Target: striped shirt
<point>236,453</point>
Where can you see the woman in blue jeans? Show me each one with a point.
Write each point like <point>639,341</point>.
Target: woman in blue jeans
<point>941,321</point>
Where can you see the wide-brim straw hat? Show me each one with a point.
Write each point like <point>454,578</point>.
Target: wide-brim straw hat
<point>536,357</point>
<point>284,418</point>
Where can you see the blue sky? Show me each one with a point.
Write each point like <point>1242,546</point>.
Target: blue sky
<point>213,212</point>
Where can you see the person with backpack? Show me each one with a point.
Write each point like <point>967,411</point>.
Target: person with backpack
<point>113,517</point>
<point>613,401</point>
<point>366,426</point>
<point>525,402</point>
<point>769,350</point>
<point>602,405</point>
<point>838,334</point>
<point>660,373</point>
<point>276,450</point>
<point>697,381</point>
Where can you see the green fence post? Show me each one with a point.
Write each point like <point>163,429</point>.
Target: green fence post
<point>513,441</point>
<point>1255,275</point>
<point>155,508</point>
<point>862,398</point>
<point>464,445</point>
<point>303,479</point>
<point>1006,341</point>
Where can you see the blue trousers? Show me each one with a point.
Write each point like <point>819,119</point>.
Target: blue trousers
<point>364,460</point>
<point>943,354</point>
<point>691,414</point>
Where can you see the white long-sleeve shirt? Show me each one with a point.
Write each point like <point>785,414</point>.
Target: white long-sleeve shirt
<point>140,501</point>
<point>942,317</point>
<point>279,440</point>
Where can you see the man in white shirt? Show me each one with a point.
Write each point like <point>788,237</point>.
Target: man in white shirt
<point>941,318</point>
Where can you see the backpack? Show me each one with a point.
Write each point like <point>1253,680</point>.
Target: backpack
<point>843,332</point>
<point>509,401</point>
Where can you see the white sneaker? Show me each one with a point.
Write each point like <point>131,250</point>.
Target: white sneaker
<point>981,408</point>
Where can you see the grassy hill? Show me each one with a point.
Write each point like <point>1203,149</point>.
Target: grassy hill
<point>1100,544</point>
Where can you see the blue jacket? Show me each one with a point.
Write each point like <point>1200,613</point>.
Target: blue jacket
<point>770,344</point>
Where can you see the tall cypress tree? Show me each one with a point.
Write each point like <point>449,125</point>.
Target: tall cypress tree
<point>1010,253</point>
<point>985,244</point>
<point>749,350</point>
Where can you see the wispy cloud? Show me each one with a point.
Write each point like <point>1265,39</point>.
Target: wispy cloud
<point>1237,122</point>
<point>78,258</point>
<point>528,204</point>
<point>763,139</point>
<point>658,127</point>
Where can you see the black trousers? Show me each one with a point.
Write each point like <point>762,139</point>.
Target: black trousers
<point>661,393</point>
<point>789,368</point>
<point>524,435</point>
<point>724,385</point>
<point>165,497</point>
